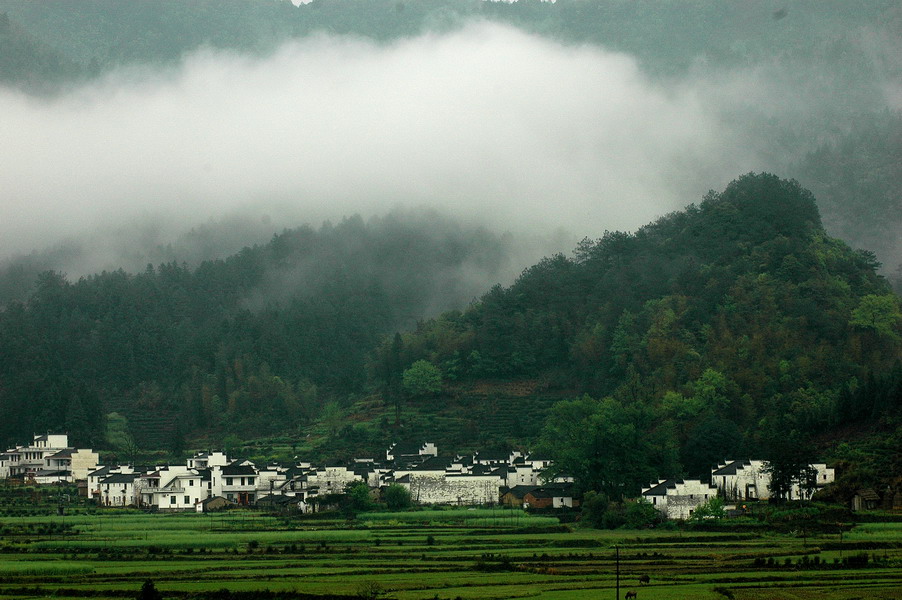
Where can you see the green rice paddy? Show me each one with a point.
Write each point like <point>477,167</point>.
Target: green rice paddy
<point>448,554</point>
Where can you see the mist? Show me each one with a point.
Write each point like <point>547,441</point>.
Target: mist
<point>486,124</point>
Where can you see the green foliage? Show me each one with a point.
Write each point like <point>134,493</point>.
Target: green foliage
<point>789,454</point>
<point>879,314</point>
<point>711,511</point>
<point>640,513</point>
<point>599,512</point>
<point>606,446</point>
<point>258,341</point>
<point>119,436</point>
<point>396,497</point>
<point>701,327</point>
<point>422,378</point>
<point>358,494</point>
<point>149,591</point>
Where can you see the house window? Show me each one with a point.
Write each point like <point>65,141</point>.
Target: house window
<point>230,496</point>
<point>191,482</point>
<point>171,499</point>
<point>250,481</point>
<point>654,500</point>
<point>228,481</point>
<point>187,499</point>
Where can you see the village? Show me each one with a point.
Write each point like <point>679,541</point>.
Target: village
<point>214,481</point>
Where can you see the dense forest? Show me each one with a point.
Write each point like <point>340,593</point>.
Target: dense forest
<point>724,329</point>
<point>759,321</point>
<point>237,345</point>
<point>717,330</point>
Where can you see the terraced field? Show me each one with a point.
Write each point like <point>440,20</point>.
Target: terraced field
<point>484,554</point>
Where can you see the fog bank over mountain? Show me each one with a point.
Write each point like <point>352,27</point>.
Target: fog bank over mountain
<point>485,123</point>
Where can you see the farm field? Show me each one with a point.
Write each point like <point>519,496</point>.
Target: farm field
<point>470,554</point>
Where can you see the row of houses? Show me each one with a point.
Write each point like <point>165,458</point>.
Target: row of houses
<point>734,481</point>
<point>48,459</point>
<point>482,478</point>
<point>510,478</point>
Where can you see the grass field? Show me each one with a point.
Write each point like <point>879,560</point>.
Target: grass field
<point>470,554</point>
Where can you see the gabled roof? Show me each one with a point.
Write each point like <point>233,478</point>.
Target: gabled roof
<point>237,469</point>
<point>546,493</point>
<point>537,457</point>
<point>104,470</point>
<point>493,455</point>
<point>275,499</point>
<point>65,453</point>
<point>406,448</point>
<point>867,494</point>
<point>120,478</point>
<point>661,488</point>
<point>519,491</point>
<point>433,463</point>
<point>55,473</point>
<point>484,470</point>
<point>731,468</point>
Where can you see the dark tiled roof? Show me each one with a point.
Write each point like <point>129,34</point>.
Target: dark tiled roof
<point>43,473</point>
<point>406,449</point>
<point>518,491</point>
<point>66,453</point>
<point>434,463</point>
<point>104,470</point>
<point>120,478</point>
<point>276,500</point>
<point>868,494</point>
<point>493,455</point>
<point>731,468</point>
<point>234,469</point>
<point>661,488</point>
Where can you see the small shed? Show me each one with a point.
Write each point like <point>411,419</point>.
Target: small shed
<point>214,504</point>
<point>866,499</point>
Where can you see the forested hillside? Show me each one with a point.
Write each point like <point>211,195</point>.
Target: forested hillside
<point>252,344</point>
<point>718,330</point>
<point>723,329</point>
<point>747,323</point>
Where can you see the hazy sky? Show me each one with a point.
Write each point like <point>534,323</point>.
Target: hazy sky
<point>486,122</point>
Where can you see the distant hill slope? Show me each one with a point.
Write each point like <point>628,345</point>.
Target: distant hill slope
<point>726,322</point>
<point>252,344</point>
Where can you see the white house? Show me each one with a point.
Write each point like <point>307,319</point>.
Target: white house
<point>236,482</point>
<point>442,488</point>
<point>118,489</point>
<point>410,451</point>
<point>678,498</point>
<point>27,461</point>
<point>95,477</point>
<point>206,460</point>
<point>741,480</point>
<point>74,463</point>
<point>331,479</point>
<point>179,488</point>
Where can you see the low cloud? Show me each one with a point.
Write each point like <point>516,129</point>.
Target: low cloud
<point>487,123</point>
